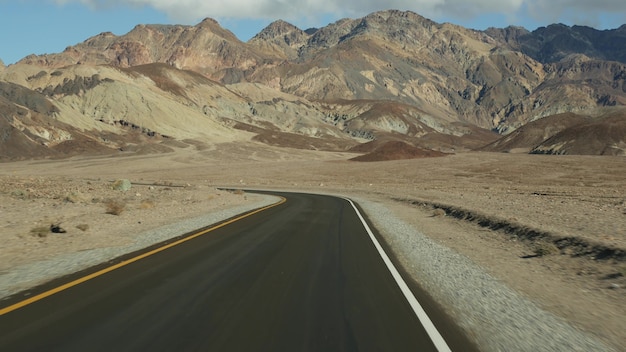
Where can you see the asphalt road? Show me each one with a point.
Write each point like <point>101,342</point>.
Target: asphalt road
<point>300,276</point>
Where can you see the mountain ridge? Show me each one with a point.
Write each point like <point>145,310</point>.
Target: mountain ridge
<point>429,75</point>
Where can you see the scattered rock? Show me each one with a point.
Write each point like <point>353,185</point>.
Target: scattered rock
<point>56,228</point>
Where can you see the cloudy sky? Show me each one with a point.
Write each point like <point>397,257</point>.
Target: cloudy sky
<point>48,26</point>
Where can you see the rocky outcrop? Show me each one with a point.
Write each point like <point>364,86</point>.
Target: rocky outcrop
<point>281,37</point>
<point>27,98</point>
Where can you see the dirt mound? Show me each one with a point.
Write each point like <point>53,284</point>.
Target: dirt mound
<point>397,150</point>
<point>369,147</point>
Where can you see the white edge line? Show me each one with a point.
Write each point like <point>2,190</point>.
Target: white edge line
<point>430,328</point>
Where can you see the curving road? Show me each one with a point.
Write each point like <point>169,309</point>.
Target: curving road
<point>300,276</point>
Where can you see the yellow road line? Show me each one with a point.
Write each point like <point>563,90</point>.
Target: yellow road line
<point>129,261</point>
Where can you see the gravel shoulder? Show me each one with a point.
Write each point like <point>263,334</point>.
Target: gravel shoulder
<point>491,310</point>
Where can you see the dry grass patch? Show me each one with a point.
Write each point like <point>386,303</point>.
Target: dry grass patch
<point>147,204</point>
<point>543,248</point>
<point>439,212</point>
<point>114,207</point>
<point>40,231</point>
<point>73,198</point>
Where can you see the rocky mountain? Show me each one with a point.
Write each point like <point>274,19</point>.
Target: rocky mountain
<point>389,76</point>
<point>206,48</point>
<point>281,37</point>
<point>557,41</point>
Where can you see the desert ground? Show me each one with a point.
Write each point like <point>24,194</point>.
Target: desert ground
<point>552,228</point>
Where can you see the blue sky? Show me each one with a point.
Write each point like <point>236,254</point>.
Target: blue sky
<point>49,26</point>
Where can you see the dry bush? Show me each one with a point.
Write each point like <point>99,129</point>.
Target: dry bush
<point>123,185</point>
<point>19,194</point>
<point>40,231</point>
<point>439,212</point>
<point>239,192</point>
<point>72,198</point>
<point>545,248</point>
<point>82,227</point>
<point>146,204</point>
<point>114,207</point>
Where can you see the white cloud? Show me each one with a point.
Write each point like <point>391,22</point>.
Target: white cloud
<point>583,12</point>
<point>190,11</point>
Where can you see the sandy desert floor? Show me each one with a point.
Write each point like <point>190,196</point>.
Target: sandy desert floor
<point>579,198</point>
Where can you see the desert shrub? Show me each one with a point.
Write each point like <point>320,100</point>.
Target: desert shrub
<point>72,198</point>
<point>545,248</point>
<point>82,227</point>
<point>40,231</point>
<point>146,204</point>
<point>439,212</point>
<point>114,207</point>
<point>239,192</point>
<point>19,193</point>
<point>122,185</point>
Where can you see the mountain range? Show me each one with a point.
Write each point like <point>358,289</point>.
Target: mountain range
<point>391,76</point>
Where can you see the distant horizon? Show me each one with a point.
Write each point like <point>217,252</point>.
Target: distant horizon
<point>48,28</point>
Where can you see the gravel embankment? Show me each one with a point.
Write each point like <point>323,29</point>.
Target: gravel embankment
<point>498,317</point>
<point>32,274</point>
